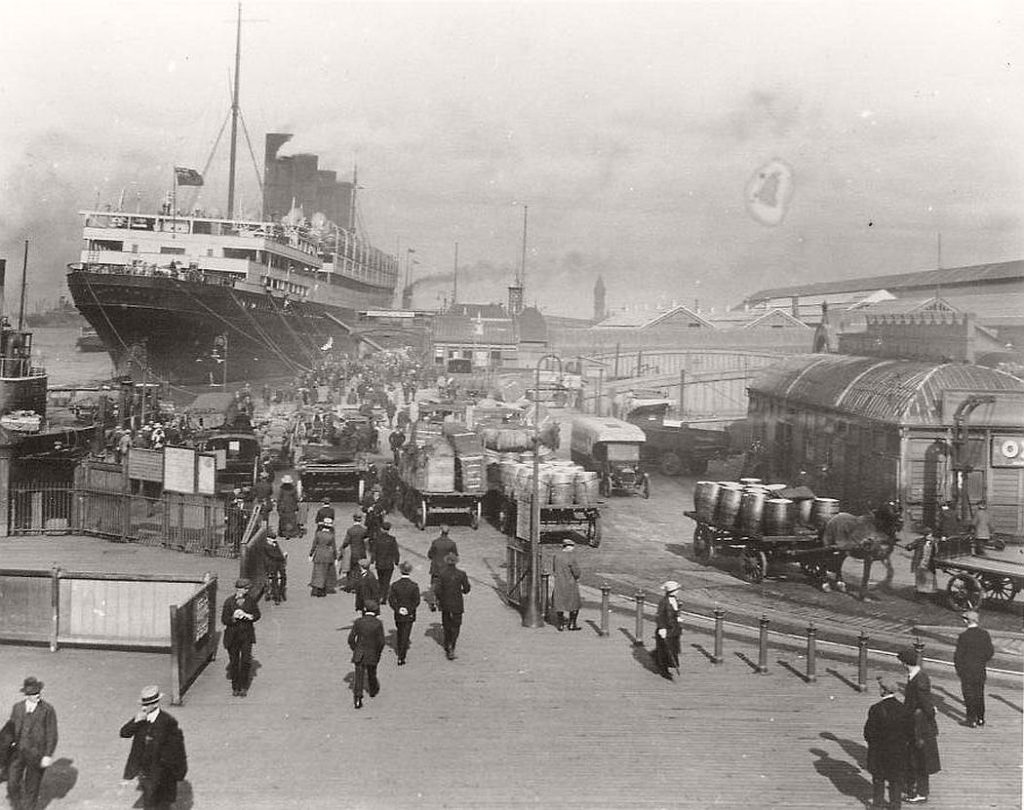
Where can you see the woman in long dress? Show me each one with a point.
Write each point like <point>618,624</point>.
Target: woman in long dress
<point>322,554</point>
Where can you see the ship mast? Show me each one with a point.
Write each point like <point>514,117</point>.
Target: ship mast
<point>234,117</point>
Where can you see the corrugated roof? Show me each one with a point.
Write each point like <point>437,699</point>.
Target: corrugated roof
<point>898,391</point>
<point>998,271</point>
<point>642,319</point>
<point>990,308</point>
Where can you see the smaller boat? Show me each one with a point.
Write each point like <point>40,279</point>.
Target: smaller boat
<point>89,340</point>
<point>22,421</point>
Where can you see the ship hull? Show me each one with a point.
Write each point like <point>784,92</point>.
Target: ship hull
<point>171,328</point>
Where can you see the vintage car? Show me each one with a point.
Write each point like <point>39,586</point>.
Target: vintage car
<point>611,448</point>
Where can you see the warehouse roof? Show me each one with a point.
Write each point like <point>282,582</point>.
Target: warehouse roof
<point>973,274</point>
<point>898,391</point>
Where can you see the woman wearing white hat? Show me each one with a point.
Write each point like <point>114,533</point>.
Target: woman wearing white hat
<point>666,636</point>
<point>288,497</point>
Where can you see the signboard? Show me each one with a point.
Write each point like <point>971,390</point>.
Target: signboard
<point>206,474</point>
<point>201,616</point>
<point>1008,451</point>
<point>145,465</point>
<point>179,469</point>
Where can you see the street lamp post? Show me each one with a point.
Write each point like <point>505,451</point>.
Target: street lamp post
<point>533,616</point>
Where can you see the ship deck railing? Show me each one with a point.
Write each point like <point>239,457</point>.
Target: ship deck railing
<point>17,367</point>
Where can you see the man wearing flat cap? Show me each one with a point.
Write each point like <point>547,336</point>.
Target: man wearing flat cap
<point>33,729</point>
<point>973,652</point>
<point>887,732</point>
<point>157,755</point>
<point>240,613</point>
<point>924,746</point>
<point>668,630</point>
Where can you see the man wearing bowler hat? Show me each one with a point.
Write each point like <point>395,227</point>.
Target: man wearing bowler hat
<point>34,731</point>
<point>404,598</point>
<point>366,640</point>
<point>238,616</point>
<point>924,746</point>
<point>887,732</point>
<point>157,755</point>
<point>973,651</point>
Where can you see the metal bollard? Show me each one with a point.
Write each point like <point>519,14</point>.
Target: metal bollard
<point>545,599</point>
<point>762,652</point>
<point>862,662</point>
<point>812,653</point>
<point>717,657</point>
<point>639,636</point>
<point>606,591</point>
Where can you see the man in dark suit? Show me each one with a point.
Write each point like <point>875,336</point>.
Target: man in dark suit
<point>920,707</point>
<point>404,598</point>
<point>34,731</point>
<point>366,639</point>
<point>449,586</point>
<point>366,587</point>
<point>355,542</point>
<point>157,756</point>
<point>973,651</point>
<point>385,555</point>
<point>325,511</point>
<point>239,614</point>
<point>440,547</point>
<point>373,507</point>
<point>887,732</point>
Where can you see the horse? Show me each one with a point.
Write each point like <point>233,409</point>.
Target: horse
<point>870,537</point>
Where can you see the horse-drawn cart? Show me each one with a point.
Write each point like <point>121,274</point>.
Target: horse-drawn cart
<point>973,579</point>
<point>803,547</point>
<point>580,522</point>
<point>420,506</point>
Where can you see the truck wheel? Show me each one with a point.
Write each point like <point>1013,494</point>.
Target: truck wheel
<point>698,466</point>
<point>670,464</point>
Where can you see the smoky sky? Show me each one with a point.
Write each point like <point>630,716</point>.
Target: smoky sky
<point>629,130</point>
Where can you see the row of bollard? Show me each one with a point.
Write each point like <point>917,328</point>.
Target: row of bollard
<point>811,676</point>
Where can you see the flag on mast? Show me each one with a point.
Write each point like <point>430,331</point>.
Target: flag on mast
<point>187,177</point>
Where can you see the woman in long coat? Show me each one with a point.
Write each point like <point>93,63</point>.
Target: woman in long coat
<point>565,575</point>
<point>322,554</point>
<point>668,632</point>
<point>287,508</point>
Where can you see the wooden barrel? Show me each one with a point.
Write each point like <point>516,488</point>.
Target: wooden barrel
<point>727,507</point>
<point>705,496</point>
<point>750,481</point>
<point>562,487</point>
<point>778,517</point>
<point>803,510</point>
<point>587,488</point>
<point>823,510</point>
<point>751,510</point>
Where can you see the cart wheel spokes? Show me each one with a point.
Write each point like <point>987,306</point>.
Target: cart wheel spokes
<point>1000,589</point>
<point>755,565</point>
<point>964,592</point>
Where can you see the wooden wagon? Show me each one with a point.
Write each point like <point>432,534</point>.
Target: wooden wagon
<point>803,548</point>
<point>972,579</point>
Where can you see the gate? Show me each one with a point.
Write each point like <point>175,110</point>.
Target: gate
<point>518,561</point>
<point>191,523</point>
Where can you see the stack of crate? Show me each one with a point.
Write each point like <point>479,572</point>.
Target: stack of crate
<point>470,470</point>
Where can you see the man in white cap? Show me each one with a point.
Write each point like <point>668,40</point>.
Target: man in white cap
<point>973,652</point>
<point>666,636</point>
<point>34,731</point>
<point>157,756</point>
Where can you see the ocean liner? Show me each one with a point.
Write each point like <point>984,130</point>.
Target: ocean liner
<point>191,298</point>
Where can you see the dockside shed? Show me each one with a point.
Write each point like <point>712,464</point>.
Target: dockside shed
<point>866,429</point>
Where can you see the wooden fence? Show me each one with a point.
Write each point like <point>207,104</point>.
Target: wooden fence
<point>163,613</point>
